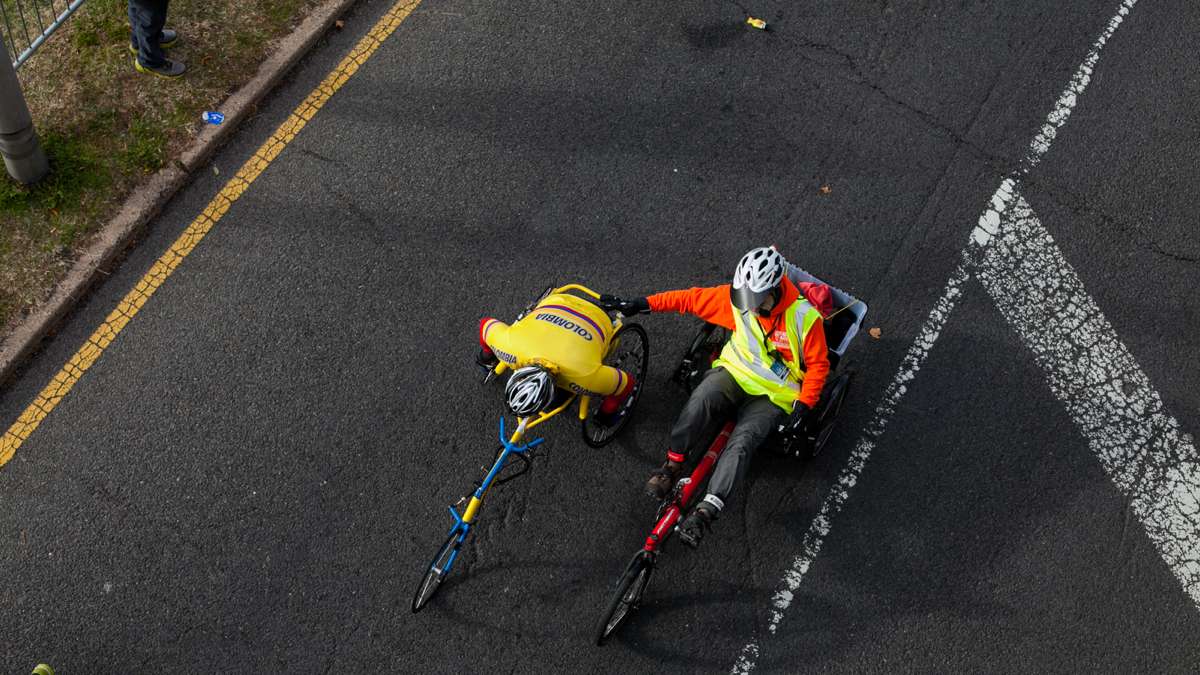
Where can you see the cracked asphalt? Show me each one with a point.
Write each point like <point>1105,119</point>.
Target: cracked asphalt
<point>254,475</point>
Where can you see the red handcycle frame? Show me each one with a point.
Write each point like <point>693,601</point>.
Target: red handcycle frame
<point>632,583</point>
<point>684,490</point>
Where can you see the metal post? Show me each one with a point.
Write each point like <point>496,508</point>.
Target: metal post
<point>23,156</point>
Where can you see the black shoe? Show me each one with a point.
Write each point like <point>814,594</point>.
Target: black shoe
<point>662,479</point>
<point>698,522</point>
<point>169,37</point>
<point>169,69</point>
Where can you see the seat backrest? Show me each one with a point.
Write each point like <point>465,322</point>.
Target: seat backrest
<point>847,315</point>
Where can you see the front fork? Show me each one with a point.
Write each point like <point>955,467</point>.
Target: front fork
<point>462,524</point>
<point>510,447</point>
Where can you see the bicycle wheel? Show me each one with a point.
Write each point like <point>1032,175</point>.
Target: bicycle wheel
<point>632,355</point>
<point>626,596</point>
<point>837,394</point>
<point>438,569</point>
<point>698,358</point>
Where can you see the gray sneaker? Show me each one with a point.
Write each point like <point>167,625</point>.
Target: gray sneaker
<point>169,69</point>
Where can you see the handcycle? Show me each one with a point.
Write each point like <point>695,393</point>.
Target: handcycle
<point>627,350</point>
<point>841,327</point>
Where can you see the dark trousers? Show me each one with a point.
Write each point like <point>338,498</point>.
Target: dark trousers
<point>716,400</point>
<point>146,21</point>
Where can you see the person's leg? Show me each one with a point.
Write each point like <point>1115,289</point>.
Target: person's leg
<point>717,396</point>
<point>756,418</point>
<point>146,21</point>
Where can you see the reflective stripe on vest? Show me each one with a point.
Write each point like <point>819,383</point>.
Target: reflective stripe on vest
<point>746,357</point>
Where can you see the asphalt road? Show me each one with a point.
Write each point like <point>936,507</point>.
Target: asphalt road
<point>254,475</point>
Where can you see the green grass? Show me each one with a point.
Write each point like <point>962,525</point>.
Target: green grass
<point>105,127</point>
<point>145,148</point>
<point>44,224</point>
<point>92,28</point>
<point>73,170</point>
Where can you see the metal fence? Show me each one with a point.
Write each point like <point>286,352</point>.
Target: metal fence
<point>27,23</point>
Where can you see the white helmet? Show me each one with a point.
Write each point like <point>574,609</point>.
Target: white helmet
<point>757,276</point>
<point>529,391</point>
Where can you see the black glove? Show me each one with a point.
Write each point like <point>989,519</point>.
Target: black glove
<point>611,303</point>
<point>793,426</point>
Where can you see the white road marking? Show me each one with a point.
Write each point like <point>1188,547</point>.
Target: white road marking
<point>980,240</point>
<point>1110,398</point>
<point>1066,102</point>
<point>840,494</point>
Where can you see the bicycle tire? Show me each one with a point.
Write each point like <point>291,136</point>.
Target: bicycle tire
<point>829,415</point>
<point>432,580</point>
<point>597,435</point>
<point>698,358</point>
<point>626,597</point>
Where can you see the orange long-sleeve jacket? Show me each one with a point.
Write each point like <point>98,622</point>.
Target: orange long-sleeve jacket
<point>712,304</point>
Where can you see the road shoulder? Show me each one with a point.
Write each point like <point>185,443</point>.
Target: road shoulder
<point>115,238</point>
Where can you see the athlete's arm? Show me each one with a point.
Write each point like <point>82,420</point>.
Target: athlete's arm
<point>604,381</point>
<point>711,304</point>
<point>493,338</point>
<point>816,365</point>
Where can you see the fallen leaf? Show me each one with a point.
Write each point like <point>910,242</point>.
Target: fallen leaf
<point>875,333</point>
<point>825,189</point>
<point>339,24</point>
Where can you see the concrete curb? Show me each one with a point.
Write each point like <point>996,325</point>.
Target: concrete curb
<point>150,198</point>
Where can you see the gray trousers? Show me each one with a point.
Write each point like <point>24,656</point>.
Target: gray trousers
<point>716,400</point>
<point>146,21</point>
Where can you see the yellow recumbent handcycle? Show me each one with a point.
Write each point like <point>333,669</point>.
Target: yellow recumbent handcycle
<point>627,350</point>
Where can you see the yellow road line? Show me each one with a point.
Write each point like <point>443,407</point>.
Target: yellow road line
<point>120,317</point>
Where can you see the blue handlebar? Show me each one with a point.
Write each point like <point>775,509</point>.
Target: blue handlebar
<point>513,446</point>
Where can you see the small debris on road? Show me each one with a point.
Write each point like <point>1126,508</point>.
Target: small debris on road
<point>760,24</point>
<point>825,189</point>
<point>339,24</point>
<point>875,333</point>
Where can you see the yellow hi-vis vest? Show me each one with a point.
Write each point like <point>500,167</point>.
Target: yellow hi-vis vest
<point>747,358</point>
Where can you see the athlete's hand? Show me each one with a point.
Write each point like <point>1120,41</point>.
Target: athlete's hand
<point>612,303</point>
<point>793,426</point>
